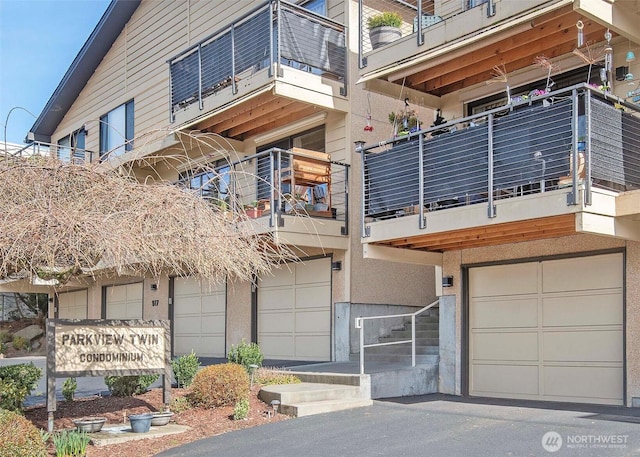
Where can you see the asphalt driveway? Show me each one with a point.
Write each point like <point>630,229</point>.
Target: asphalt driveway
<point>437,425</point>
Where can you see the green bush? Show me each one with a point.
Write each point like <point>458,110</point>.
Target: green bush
<point>69,388</point>
<point>387,18</point>
<point>219,385</point>
<point>180,404</point>
<point>246,354</point>
<point>19,437</point>
<point>5,336</point>
<point>185,368</point>
<point>3,348</point>
<point>71,443</point>
<point>16,382</point>
<point>20,343</point>
<point>241,409</point>
<point>128,386</point>
<point>268,376</point>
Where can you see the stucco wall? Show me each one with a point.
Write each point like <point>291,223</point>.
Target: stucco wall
<point>454,260</point>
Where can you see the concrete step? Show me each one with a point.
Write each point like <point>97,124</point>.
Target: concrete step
<point>421,359</point>
<point>403,349</point>
<point>290,394</point>
<point>406,333</point>
<point>427,319</point>
<point>424,341</point>
<point>424,326</point>
<point>327,406</point>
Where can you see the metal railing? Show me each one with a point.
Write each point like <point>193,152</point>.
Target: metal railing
<point>273,34</point>
<point>265,185</point>
<point>359,324</point>
<point>430,12</point>
<point>63,153</point>
<point>521,148</point>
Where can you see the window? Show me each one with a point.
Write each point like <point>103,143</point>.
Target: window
<point>116,131</point>
<point>72,147</point>
<point>311,139</point>
<point>315,6</point>
<point>211,183</point>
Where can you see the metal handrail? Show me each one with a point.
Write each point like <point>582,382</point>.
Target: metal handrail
<point>359,324</point>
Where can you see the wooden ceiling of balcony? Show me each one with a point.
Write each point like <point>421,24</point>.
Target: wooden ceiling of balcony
<point>260,114</point>
<point>489,235</point>
<point>551,35</point>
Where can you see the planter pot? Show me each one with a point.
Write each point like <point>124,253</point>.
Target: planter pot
<point>140,423</point>
<point>382,36</point>
<point>90,424</point>
<point>253,213</point>
<point>161,418</point>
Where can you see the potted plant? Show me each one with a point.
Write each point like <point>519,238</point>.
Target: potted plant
<point>405,122</point>
<point>253,210</point>
<point>384,28</point>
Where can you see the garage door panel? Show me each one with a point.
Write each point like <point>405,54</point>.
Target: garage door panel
<point>185,344</point>
<point>508,346</point>
<point>504,380</point>
<point>210,346</point>
<point>277,322</point>
<point>584,273</point>
<point>583,346</point>
<point>593,309</point>
<point>310,347</point>
<point>276,299</point>
<point>277,346</point>
<point>213,304</point>
<point>212,324</point>
<point>313,321</point>
<point>313,297</point>
<point>73,305</point>
<point>504,313</point>
<point>567,382</point>
<point>187,324</point>
<point>278,277</point>
<point>313,272</point>
<point>491,281</point>
<point>188,304</point>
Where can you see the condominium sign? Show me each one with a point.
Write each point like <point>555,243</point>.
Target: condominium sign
<point>93,348</point>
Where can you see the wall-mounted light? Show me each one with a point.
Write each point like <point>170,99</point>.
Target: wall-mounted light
<point>154,287</point>
<point>337,265</point>
<point>447,281</point>
<point>359,145</point>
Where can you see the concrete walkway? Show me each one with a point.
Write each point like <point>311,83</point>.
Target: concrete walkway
<point>439,426</point>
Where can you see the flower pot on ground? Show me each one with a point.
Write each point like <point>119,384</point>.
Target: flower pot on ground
<point>384,28</point>
<point>161,418</point>
<point>140,423</point>
<point>90,424</point>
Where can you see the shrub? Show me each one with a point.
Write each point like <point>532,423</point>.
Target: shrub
<point>128,386</point>
<point>219,385</point>
<point>5,336</point>
<point>185,368</point>
<point>19,437</point>
<point>387,18</point>
<point>69,388</point>
<point>3,348</point>
<point>20,343</point>
<point>241,410</point>
<point>70,443</point>
<point>245,354</point>
<point>268,376</point>
<point>180,404</point>
<point>16,382</point>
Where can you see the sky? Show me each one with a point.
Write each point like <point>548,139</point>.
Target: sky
<point>38,41</point>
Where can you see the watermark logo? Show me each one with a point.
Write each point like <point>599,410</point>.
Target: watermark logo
<point>551,441</point>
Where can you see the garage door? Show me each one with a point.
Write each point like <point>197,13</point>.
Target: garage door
<point>550,330</point>
<point>72,305</point>
<point>294,312</point>
<point>124,302</point>
<point>199,318</point>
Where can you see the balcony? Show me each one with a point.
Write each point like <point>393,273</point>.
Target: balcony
<point>64,153</point>
<point>507,175</point>
<point>461,43</point>
<point>298,195</point>
<point>275,63</point>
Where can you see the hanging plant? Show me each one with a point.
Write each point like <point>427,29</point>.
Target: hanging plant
<point>405,121</point>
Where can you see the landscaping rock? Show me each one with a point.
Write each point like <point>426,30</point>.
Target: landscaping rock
<point>30,333</point>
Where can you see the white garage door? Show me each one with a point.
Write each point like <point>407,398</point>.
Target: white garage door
<point>72,305</point>
<point>199,318</point>
<point>125,301</point>
<point>550,330</point>
<point>294,312</point>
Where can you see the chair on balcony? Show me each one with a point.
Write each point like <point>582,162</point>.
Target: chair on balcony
<point>567,181</point>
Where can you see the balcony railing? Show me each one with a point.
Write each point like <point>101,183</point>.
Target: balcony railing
<point>275,183</point>
<point>522,148</point>
<point>273,34</point>
<point>63,153</point>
